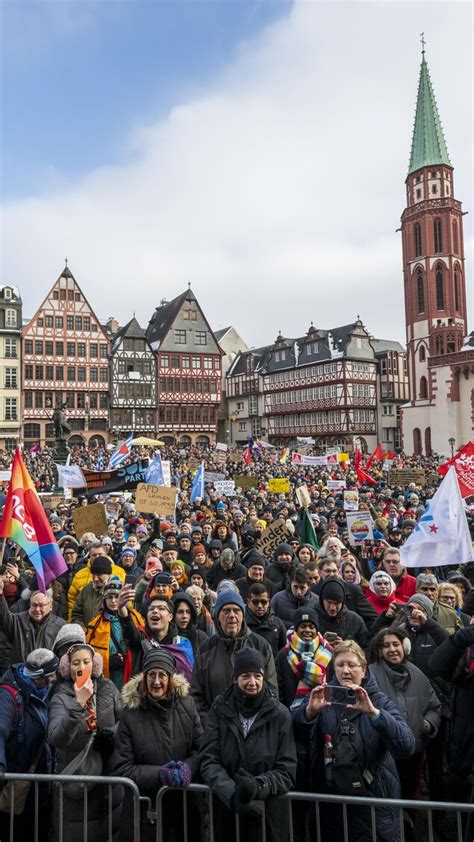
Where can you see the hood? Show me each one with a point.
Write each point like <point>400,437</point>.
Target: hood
<point>181,596</point>
<point>133,699</point>
<point>330,588</point>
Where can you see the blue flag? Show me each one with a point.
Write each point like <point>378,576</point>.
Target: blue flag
<point>197,488</point>
<point>154,474</point>
<point>121,452</point>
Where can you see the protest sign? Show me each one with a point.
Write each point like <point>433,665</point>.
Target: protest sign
<point>313,461</point>
<point>221,446</point>
<point>387,464</point>
<point>166,465</point>
<point>279,485</point>
<point>303,496</point>
<point>5,476</point>
<point>221,457</point>
<point>225,488</point>
<point>360,527</point>
<point>343,457</point>
<point>246,482</point>
<point>405,476</point>
<point>52,501</point>
<point>112,507</point>
<point>351,500</point>
<point>276,533</point>
<point>335,484</point>
<point>193,463</point>
<point>236,456</point>
<point>126,477</point>
<point>156,498</point>
<point>90,519</point>
<point>213,476</point>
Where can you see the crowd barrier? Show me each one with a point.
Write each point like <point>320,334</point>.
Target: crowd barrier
<point>426,816</point>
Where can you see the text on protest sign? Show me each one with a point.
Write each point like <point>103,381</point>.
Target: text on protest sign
<point>156,498</point>
<point>404,476</point>
<point>303,496</point>
<point>351,500</point>
<point>221,446</point>
<point>213,476</point>
<point>276,533</point>
<point>90,519</point>
<point>225,488</point>
<point>279,485</point>
<point>166,465</point>
<point>335,484</point>
<point>360,527</point>
<point>246,482</point>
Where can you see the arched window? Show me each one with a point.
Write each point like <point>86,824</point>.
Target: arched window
<point>456,287</point>
<point>438,236</point>
<point>423,388</point>
<point>420,289</point>
<point>451,343</point>
<point>417,442</point>
<point>455,238</point>
<point>439,288</point>
<point>428,441</point>
<point>439,344</point>
<point>422,354</point>
<point>417,238</point>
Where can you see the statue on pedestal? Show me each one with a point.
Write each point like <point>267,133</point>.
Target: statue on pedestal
<point>62,430</point>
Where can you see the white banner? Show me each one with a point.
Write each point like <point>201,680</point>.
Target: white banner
<point>70,476</point>
<point>166,466</point>
<point>221,446</point>
<point>225,488</point>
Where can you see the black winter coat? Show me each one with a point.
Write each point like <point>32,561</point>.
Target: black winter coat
<point>284,604</point>
<point>355,601</point>
<point>268,753</point>
<point>270,627</point>
<point>278,574</point>
<point>346,624</point>
<point>216,574</point>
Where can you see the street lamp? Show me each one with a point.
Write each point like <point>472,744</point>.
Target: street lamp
<point>452,442</point>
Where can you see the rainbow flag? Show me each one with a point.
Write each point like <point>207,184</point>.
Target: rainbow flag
<point>284,455</point>
<point>25,522</point>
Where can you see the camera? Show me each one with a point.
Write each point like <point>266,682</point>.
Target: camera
<point>339,695</point>
<point>330,636</point>
<point>404,609</point>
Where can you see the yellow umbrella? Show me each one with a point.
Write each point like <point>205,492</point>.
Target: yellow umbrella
<point>142,440</point>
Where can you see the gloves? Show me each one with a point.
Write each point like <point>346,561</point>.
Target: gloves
<point>246,786</point>
<point>175,774</point>
<point>248,810</point>
<point>3,782</point>
<point>104,741</point>
<point>464,637</point>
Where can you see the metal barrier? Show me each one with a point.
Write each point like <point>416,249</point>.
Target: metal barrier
<point>58,782</point>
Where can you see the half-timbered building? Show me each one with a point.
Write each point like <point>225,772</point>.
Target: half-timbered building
<point>132,382</point>
<point>188,366</point>
<point>10,371</point>
<point>65,361</point>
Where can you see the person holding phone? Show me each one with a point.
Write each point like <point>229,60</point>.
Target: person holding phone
<point>359,740</point>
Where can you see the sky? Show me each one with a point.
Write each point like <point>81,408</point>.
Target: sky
<point>254,148</point>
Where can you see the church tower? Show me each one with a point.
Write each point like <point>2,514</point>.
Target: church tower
<point>434,278</point>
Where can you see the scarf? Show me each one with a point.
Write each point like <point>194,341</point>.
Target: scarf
<point>308,661</point>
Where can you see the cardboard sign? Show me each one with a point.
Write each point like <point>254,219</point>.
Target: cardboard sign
<point>405,476</point>
<point>351,500</point>
<point>156,498</point>
<point>90,519</point>
<point>246,482</point>
<point>193,463</point>
<point>276,533</point>
<point>225,488</point>
<point>213,476</point>
<point>303,496</point>
<point>360,527</point>
<point>279,485</point>
<point>236,456</point>
<point>387,464</point>
<point>52,501</point>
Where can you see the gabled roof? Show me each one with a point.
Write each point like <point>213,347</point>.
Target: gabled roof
<point>381,346</point>
<point>239,365</point>
<point>219,334</point>
<point>131,330</point>
<point>428,145</point>
<point>164,316</point>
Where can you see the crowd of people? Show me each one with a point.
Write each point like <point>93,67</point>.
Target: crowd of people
<point>176,651</point>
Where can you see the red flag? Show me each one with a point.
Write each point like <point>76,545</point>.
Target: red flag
<point>389,455</point>
<point>357,457</point>
<point>363,477</point>
<point>377,454</point>
<point>248,456</point>
<point>463,463</point>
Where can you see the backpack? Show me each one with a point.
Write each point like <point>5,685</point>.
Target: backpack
<point>19,713</point>
<point>348,773</point>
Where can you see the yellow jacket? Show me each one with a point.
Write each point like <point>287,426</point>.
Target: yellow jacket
<point>81,579</point>
<point>98,635</point>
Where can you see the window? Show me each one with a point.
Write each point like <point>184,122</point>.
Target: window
<point>418,193</point>
<point>11,348</point>
<point>174,361</point>
<point>59,349</point>
<point>103,350</point>
<point>32,431</point>
<point>196,362</point>
<point>423,388</point>
<point>87,323</point>
<point>165,360</point>
<point>28,399</point>
<point>185,362</point>
<point>10,378</point>
<point>81,349</point>
<point>78,322</point>
<point>190,314</point>
<point>180,337</point>
<point>10,318</point>
<point>28,346</point>
<point>94,374</point>
<point>71,349</point>
<point>48,321</point>
<point>7,292</point>
<point>70,400</point>
<point>103,400</point>
<point>38,400</point>
<point>49,372</point>
<point>59,321</point>
<point>92,400</point>
<point>422,354</point>
<point>59,373</point>
<point>81,400</point>
<point>93,350</point>
<point>104,375</point>
<point>28,371</point>
<point>49,348</point>
<point>11,413</point>
<point>455,238</point>
<point>200,337</point>
<point>417,237</point>
<point>70,295</point>
<point>456,287</point>
<point>62,294</point>
<point>253,405</point>
<point>438,236</point>
<point>38,372</point>
<point>81,373</point>
<point>208,362</point>
<point>439,288</point>
<point>38,347</point>
<point>420,286</point>
<point>71,374</point>
<point>434,188</point>
<point>70,322</point>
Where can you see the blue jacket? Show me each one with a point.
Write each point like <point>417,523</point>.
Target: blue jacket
<point>23,723</point>
<point>384,741</point>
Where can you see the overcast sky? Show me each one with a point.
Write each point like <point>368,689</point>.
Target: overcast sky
<point>255,149</point>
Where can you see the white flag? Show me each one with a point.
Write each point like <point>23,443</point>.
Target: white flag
<point>70,476</point>
<point>442,535</point>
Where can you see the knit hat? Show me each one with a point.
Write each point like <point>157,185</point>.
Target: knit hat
<point>163,579</point>
<point>141,530</point>
<point>113,587</point>
<point>158,543</point>
<point>423,601</point>
<point>196,528</point>
<point>283,549</point>
<point>248,660</point>
<point>35,669</point>
<point>67,542</point>
<point>168,546</point>
<point>198,548</point>
<point>305,615</point>
<point>228,597</point>
<point>332,588</point>
<point>158,658</point>
<point>101,564</point>
<point>128,551</point>
<point>67,635</point>
<point>179,563</point>
<point>379,576</point>
<point>197,570</point>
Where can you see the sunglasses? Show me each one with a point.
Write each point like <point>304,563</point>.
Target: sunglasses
<point>259,601</point>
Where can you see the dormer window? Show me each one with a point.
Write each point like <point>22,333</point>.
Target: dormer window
<point>7,292</point>
<point>313,348</point>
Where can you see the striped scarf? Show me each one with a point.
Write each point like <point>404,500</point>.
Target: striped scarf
<point>308,661</point>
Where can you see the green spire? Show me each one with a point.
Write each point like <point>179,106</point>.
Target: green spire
<point>428,144</point>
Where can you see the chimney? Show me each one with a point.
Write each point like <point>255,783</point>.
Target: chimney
<point>112,325</point>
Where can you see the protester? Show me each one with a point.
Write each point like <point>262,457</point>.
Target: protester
<point>302,664</point>
<point>28,630</point>
<point>297,594</point>
<point>261,619</point>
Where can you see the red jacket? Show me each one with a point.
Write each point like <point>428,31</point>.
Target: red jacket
<point>380,603</point>
<point>405,588</point>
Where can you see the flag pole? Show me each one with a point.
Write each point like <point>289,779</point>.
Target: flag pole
<point>2,550</point>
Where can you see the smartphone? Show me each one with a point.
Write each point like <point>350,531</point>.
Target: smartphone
<point>130,579</point>
<point>82,676</point>
<point>331,637</point>
<point>338,695</point>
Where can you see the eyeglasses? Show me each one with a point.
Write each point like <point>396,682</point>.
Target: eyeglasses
<point>259,601</point>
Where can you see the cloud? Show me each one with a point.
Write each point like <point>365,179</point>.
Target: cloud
<point>277,192</point>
